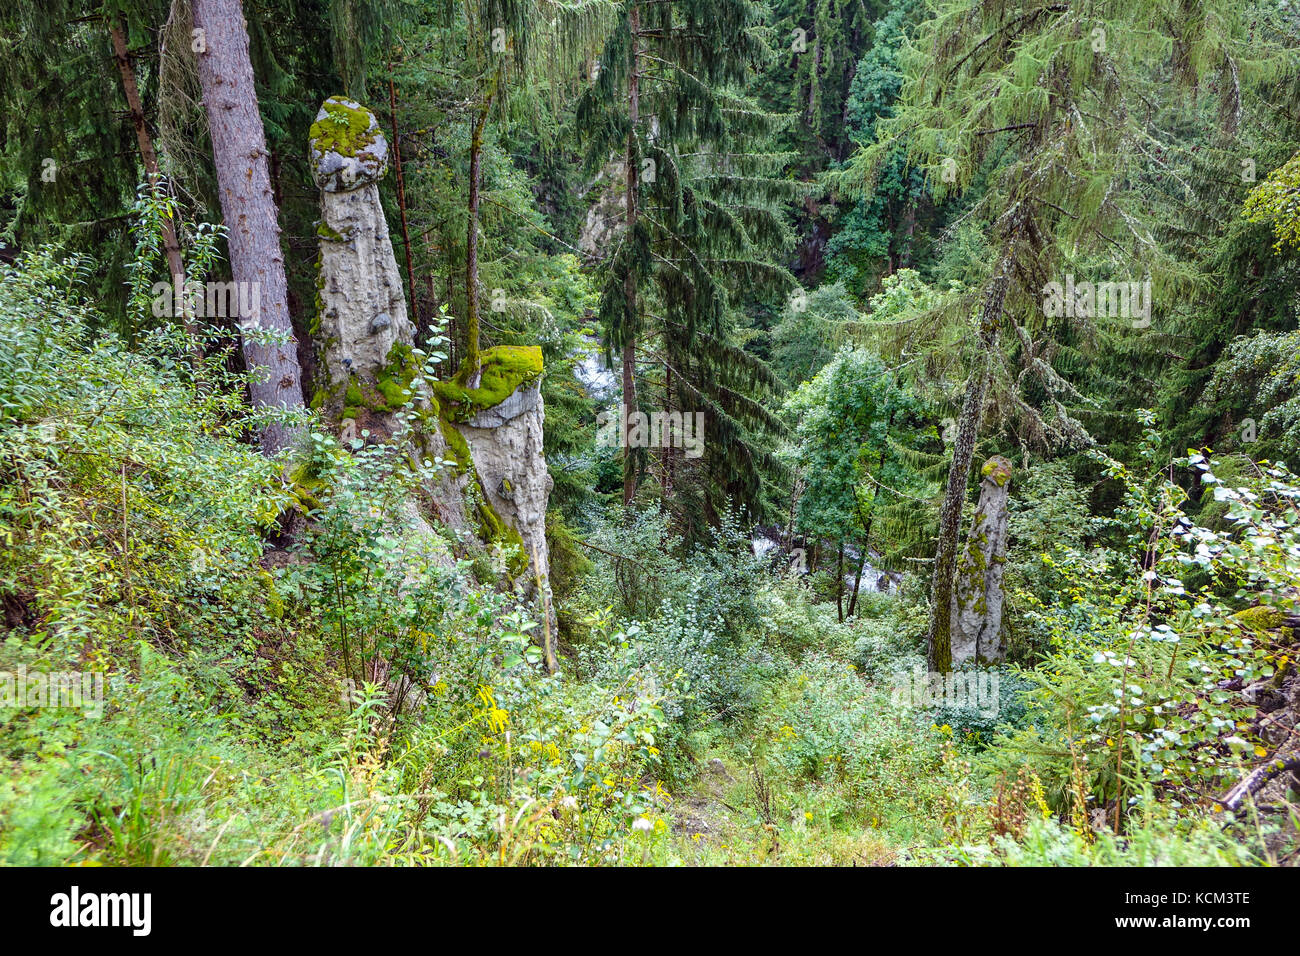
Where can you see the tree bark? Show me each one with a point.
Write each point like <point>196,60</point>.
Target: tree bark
<point>629,282</point>
<point>248,207</point>
<point>812,82</point>
<point>1257,778</point>
<point>471,249</point>
<point>471,238</point>
<point>171,247</point>
<point>857,578</point>
<point>977,589</point>
<point>939,636</point>
<point>666,455</point>
<point>401,200</point>
<point>796,491</point>
<point>909,234</point>
<point>839,584</point>
<point>867,519</point>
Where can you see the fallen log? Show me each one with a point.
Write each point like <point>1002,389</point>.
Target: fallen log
<point>1253,782</point>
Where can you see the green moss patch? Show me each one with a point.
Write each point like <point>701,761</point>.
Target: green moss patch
<point>307,487</point>
<point>354,396</point>
<point>998,469</point>
<point>504,369</point>
<point>457,445</point>
<point>344,129</point>
<point>1262,618</point>
<point>390,390</point>
<point>494,530</point>
<point>393,381</point>
<point>325,231</point>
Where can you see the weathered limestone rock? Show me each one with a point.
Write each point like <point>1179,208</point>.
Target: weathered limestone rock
<point>977,591</point>
<point>505,442</point>
<point>347,147</point>
<point>501,423</point>
<point>363,332</point>
<point>362,308</point>
<point>496,484</point>
<point>605,216</point>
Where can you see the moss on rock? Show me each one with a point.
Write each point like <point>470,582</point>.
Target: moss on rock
<point>354,397</point>
<point>306,487</point>
<point>504,368</point>
<point>457,445</point>
<point>344,129</point>
<point>393,381</point>
<point>390,390</point>
<point>325,231</point>
<point>1261,618</point>
<point>494,530</point>
<point>998,469</point>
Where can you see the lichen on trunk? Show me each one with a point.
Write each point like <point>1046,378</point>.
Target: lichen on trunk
<point>976,612</point>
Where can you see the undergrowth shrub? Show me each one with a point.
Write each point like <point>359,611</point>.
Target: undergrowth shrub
<point>827,725</point>
<point>1139,697</point>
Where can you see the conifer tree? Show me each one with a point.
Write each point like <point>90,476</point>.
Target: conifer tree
<point>700,199</point>
<point>511,42</point>
<point>71,166</point>
<point>249,209</point>
<point>1041,98</point>
<point>817,44</point>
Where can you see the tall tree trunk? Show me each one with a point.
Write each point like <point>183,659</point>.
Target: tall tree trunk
<point>857,581</point>
<point>812,82</point>
<point>631,308</point>
<point>977,587</point>
<point>248,207</point>
<point>939,636</point>
<point>401,199</point>
<point>867,519</point>
<point>471,238</point>
<point>839,584</point>
<point>796,491</point>
<point>670,451</point>
<point>171,247</point>
<point>862,564</point>
<point>909,235</point>
<point>471,253</point>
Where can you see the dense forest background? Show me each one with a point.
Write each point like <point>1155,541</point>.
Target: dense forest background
<point>920,269</point>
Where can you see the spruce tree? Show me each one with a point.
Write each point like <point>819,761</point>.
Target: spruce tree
<point>249,209</point>
<point>700,202</point>
<point>1042,99</point>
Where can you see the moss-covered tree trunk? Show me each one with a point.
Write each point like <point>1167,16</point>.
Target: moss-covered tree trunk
<point>976,632</point>
<point>939,637</point>
<point>248,208</point>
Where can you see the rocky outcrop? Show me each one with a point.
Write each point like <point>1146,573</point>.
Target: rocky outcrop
<point>606,214</point>
<point>500,422</point>
<point>362,322</point>
<point>364,337</point>
<point>495,485</point>
<point>977,591</point>
<point>505,442</point>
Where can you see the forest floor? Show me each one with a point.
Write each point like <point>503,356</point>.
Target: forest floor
<point>707,819</point>
<point>729,816</point>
